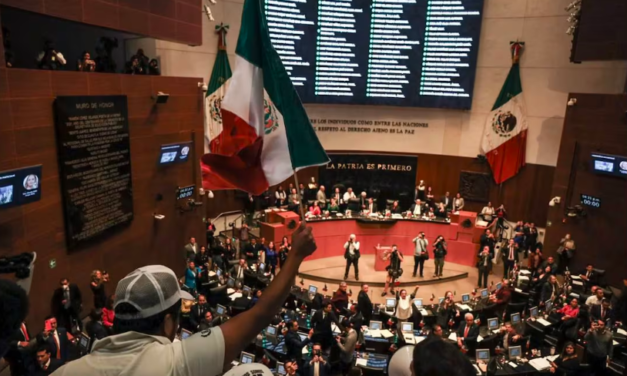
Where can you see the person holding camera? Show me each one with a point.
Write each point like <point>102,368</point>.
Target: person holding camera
<point>439,253</point>
<point>97,285</point>
<point>484,265</point>
<point>318,365</point>
<point>85,63</point>
<point>50,58</point>
<point>394,269</point>
<point>420,253</point>
<point>351,254</point>
<point>598,347</point>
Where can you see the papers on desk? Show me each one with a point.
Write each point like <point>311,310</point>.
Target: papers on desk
<point>424,312</point>
<point>512,364</point>
<point>523,278</point>
<point>622,331</point>
<point>230,291</point>
<point>477,369</point>
<point>235,296</point>
<point>386,334</point>
<point>540,364</point>
<point>397,216</point>
<point>211,273</point>
<point>518,290</point>
<point>543,321</point>
<point>479,338</point>
<point>551,358</point>
<point>374,333</point>
<point>614,342</point>
<point>335,328</point>
<point>464,307</point>
<point>575,277</point>
<point>417,340</point>
<point>361,362</point>
<point>453,336</point>
<point>578,283</point>
<point>523,272</point>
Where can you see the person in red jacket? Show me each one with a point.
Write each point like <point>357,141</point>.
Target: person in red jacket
<point>108,314</point>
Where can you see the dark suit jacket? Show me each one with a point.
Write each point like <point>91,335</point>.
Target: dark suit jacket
<point>505,253</point>
<point>473,333</point>
<point>197,314</point>
<point>95,330</point>
<point>20,359</point>
<point>76,299</point>
<point>396,210</point>
<point>63,342</point>
<point>593,279</point>
<point>423,209</point>
<point>241,303</point>
<point>323,326</point>
<point>294,346</point>
<point>364,305</point>
<point>503,295</point>
<point>249,248</point>
<point>553,266</point>
<point>53,366</point>
<point>449,205</point>
<point>595,313</point>
<point>480,262</point>
<point>546,292</point>
<point>357,320</point>
<point>323,370</point>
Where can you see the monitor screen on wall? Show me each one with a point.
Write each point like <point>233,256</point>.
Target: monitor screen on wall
<point>398,53</point>
<point>607,164</point>
<point>174,153</point>
<point>20,186</point>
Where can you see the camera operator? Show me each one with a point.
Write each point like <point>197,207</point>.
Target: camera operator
<point>439,253</point>
<point>50,58</point>
<point>420,253</point>
<point>351,254</point>
<point>394,269</point>
<point>599,347</point>
<point>85,63</point>
<point>319,365</point>
<point>153,68</point>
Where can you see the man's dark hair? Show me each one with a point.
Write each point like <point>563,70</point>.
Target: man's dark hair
<point>355,371</point>
<point>149,325</point>
<point>435,326</point>
<point>64,279</point>
<point>449,360</point>
<point>43,347</point>
<point>326,303</point>
<point>95,314</point>
<point>13,309</point>
<point>50,317</point>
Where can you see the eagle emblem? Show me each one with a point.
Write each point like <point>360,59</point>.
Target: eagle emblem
<point>270,117</point>
<point>214,109</point>
<point>503,123</point>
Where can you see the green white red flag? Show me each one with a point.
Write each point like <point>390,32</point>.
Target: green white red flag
<point>266,134</point>
<point>505,136</point>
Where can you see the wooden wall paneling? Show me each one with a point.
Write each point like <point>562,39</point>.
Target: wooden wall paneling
<point>134,21</point>
<point>602,32</point>
<point>68,9</point>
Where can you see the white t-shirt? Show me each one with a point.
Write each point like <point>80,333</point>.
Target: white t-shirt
<point>137,354</point>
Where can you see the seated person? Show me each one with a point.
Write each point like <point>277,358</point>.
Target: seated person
<point>467,333</point>
<point>395,208</point>
<point>237,272</point>
<point>333,206</point>
<point>595,298</point>
<point>550,290</point>
<point>510,337</point>
<point>243,302</point>
<point>503,295</point>
<point>569,313</point>
<point>589,277</point>
<point>550,263</point>
<point>293,201</point>
<point>567,364</point>
<point>46,364</point>
<point>434,357</point>
<point>208,322</point>
<point>441,211</point>
<point>417,209</point>
<point>314,210</point>
<point>431,213</point>
<point>370,206</point>
<point>602,312</point>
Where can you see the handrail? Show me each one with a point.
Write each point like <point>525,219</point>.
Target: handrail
<point>226,213</point>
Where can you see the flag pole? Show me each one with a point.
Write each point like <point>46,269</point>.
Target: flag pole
<point>301,211</point>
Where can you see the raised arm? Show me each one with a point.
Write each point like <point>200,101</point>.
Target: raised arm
<point>243,328</point>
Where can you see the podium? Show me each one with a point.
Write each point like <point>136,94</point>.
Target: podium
<point>379,263</point>
<point>279,224</point>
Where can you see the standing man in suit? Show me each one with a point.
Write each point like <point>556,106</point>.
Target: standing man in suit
<point>238,271</point>
<point>589,277</point>
<point>318,365</point>
<point>19,354</point>
<point>191,249</point>
<point>510,257</point>
<point>351,255</point>
<point>46,365</point>
<point>602,312</point>
<point>484,265</point>
<point>467,333</point>
<point>198,312</point>
<point>56,338</point>
<point>67,303</point>
<point>363,201</point>
<point>321,197</point>
<point>364,305</point>
<point>487,239</point>
<point>447,201</point>
<point>417,209</point>
<point>550,290</point>
<point>347,344</point>
<point>293,344</point>
<point>321,324</point>
<point>420,253</point>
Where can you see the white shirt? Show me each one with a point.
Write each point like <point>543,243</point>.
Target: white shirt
<point>417,209</point>
<point>592,300</point>
<point>421,246</point>
<point>351,247</point>
<point>403,308</point>
<point>137,354</point>
<point>348,196</point>
<point>487,210</point>
<point>280,195</point>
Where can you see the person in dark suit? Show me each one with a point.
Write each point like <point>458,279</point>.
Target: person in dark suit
<point>550,290</point>
<point>395,208</point>
<point>321,324</point>
<point>590,277</point>
<point>318,365</point>
<point>46,364</point>
<point>352,255</point>
<point>484,265</point>
<point>418,209</point>
<point>510,257</point>
<point>340,299</point>
<point>364,305</point>
<point>356,318</point>
<point>509,337</point>
<point>56,338</point>
<point>447,201</point>
<point>293,344</point>
<point>191,249</point>
<point>67,303</point>
<point>250,252</point>
<point>467,333</point>
<point>19,354</point>
<point>487,239</point>
<point>602,312</point>
<point>198,312</point>
<point>502,296</point>
<point>95,329</point>
<point>550,263</point>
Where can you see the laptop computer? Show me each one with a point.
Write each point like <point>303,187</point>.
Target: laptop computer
<point>533,312</point>
<point>246,358</point>
<point>515,318</point>
<point>493,323</point>
<point>220,310</point>
<point>482,355</point>
<point>375,325</point>
<point>230,283</point>
<point>280,368</point>
<point>484,294</point>
<point>514,352</point>
<point>408,331</point>
<point>185,334</point>
<point>548,305</point>
<point>465,298</point>
<point>83,343</point>
<point>390,304</point>
<point>271,334</point>
<point>312,290</point>
<point>499,285</point>
<point>418,303</point>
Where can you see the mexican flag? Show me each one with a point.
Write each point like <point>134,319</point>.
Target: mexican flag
<point>266,134</point>
<point>505,136</point>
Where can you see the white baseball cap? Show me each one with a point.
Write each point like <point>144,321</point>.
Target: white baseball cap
<point>150,289</point>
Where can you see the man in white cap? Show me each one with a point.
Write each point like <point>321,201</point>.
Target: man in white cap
<point>147,306</point>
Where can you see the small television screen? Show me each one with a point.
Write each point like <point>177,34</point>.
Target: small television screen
<point>548,305</point>
<point>515,352</point>
<point>408,327</point>
<point>375,325</point>
<point>219,272</point>
<point>262,267</point>
<point>483,355</point>
<point>607,164</point>
<point>185,192</point>
<point>185,334</point>
<point>313,289</point>
<point>418,303</point>
<point>175,153</point>
<point>230,283</point>
<point>271,330</point>
<point>484,293</point>
<point>246,358</point>
<point>221,310</point>
<point>390,303</point>
<point>465,298</point>
<point>533,312</point>
<point>493,323</point>
<point>280,368</point>
<point>20,186</point>
<point>499,285</point>
<point>247,289</point>
<point>83,342</point>
<point>515,317</point>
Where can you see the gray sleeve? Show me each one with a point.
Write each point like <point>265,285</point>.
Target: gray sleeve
<point>203,353</point>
